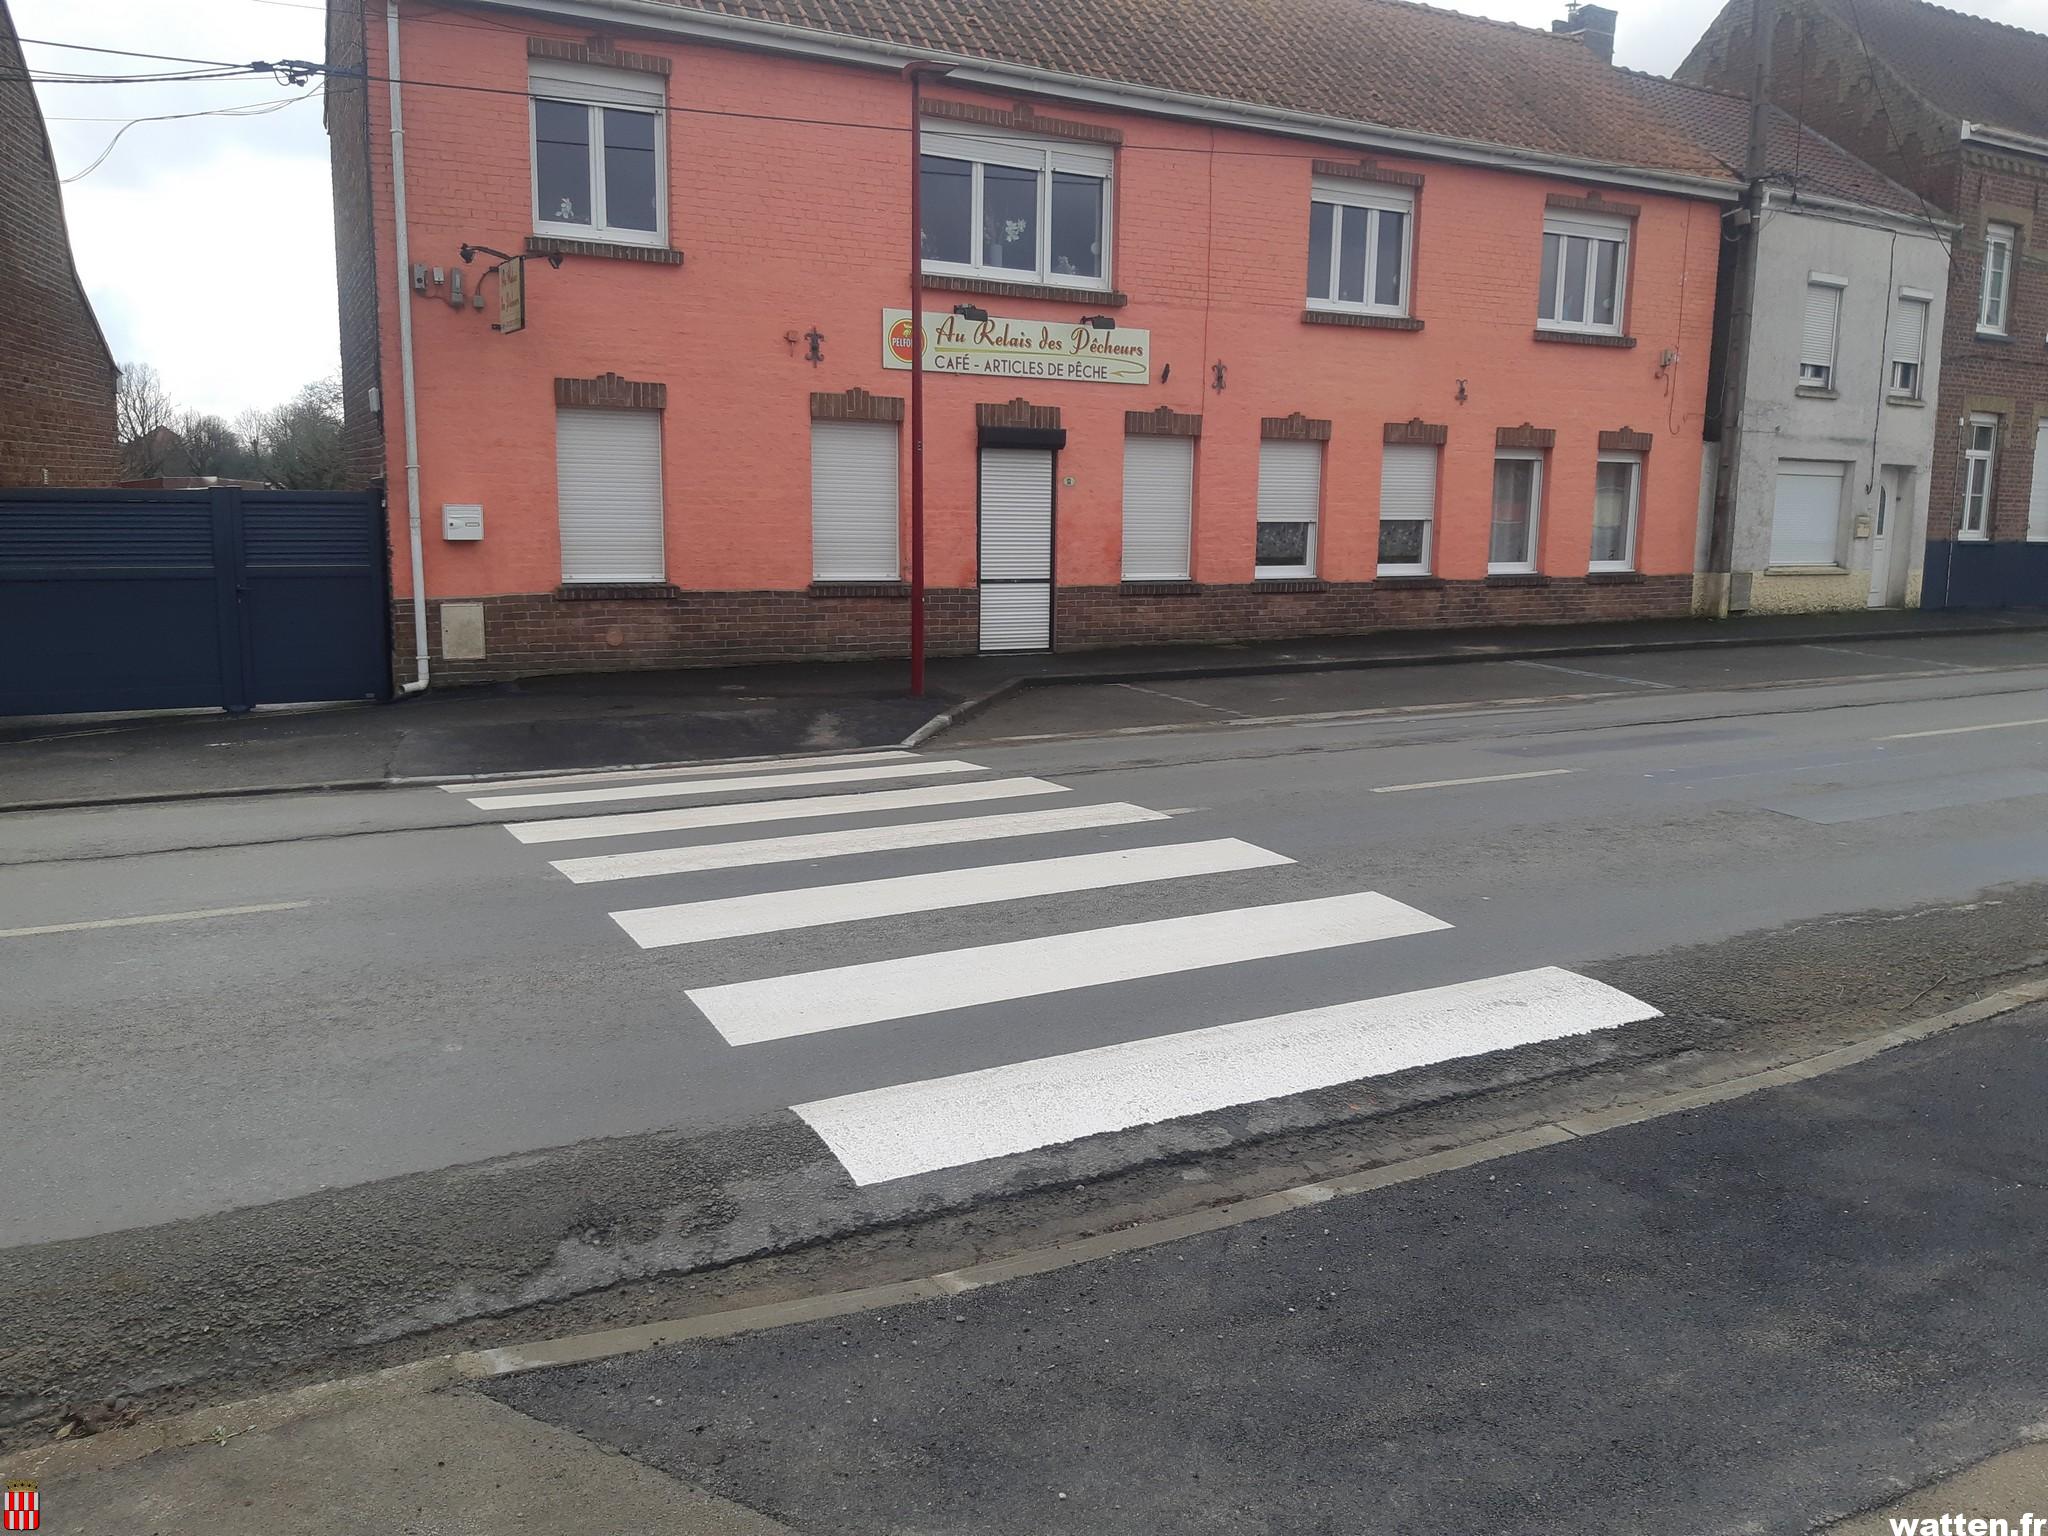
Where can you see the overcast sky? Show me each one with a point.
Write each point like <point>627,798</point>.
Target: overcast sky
<point>207,244</point>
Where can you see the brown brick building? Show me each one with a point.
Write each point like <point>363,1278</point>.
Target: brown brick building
<point>1956,108</point>
<point>56,374</point>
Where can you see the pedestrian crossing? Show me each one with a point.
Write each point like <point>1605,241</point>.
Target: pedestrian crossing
<point>989,858</point>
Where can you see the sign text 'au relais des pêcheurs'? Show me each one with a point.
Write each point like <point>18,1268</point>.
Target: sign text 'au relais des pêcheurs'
<point>1020,349</point>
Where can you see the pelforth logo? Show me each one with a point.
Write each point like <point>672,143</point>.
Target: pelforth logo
<point>24,1509</point>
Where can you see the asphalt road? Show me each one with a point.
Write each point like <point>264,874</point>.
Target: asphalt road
<point>408,1075</point>
<point>1754,1318</point>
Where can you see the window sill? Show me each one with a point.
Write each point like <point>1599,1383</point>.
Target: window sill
<point>1517,579</point>
<point>1410,581</point>
<point>615,591</point>
<point>1615,577</point>
<point>1816,392</point>
<point>1360,320</point>
<point>1290,584</point>
<point>1183,588</point>
<point>563,245</point>
<point>859,589</point>
<point>1972,538</point>
<point>1998,336</point>
<point>1583,338</point>
<point>1911,402</point>
<point>1104,298</point>
<point>1806,570</point>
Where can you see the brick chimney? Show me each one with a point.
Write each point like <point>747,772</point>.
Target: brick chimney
<point>1592,25</point>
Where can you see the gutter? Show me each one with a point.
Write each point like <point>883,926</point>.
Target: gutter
<point>402,259</point>
<point>2002,138</point>
<point>780,37</point>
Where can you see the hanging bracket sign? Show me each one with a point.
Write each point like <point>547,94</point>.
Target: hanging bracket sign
<point>1020,349</point>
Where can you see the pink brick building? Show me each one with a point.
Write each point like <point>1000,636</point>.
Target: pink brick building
<point>1303,318</point>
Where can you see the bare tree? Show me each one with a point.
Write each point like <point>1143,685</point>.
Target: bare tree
<point>298,444</point>
<point>214,447</point>
<point>142,419</point>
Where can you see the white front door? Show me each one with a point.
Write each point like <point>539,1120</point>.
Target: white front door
<point>1016,549</point>
<point>1889,545</point>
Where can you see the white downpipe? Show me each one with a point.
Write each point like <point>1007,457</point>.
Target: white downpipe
<point>402,257</point>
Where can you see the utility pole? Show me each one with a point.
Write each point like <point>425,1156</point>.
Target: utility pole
<point>1763,19</point>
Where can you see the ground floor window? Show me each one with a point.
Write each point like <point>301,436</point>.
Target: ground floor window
<point>1290,496</point>
<point>1159,505</point>
<point>1407,508</point>
<point>2037,507</point>
<point>1806,520</point>
<point>1617,499</point>
<point>1517,512</point>
<point>1980,450</point>
<point>608,495</point>
<point>854,501</point>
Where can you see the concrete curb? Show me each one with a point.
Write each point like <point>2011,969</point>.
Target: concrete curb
<point>120,1447</point>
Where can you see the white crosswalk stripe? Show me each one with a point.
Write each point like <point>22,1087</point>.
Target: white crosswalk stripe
<point>779,1007</point>
<point>721,786</point>
<point>948,1122</point>
<point>828,845</point>
<point>892,1133</point>
<point>695,922</point>
<point>658,775</point>
<point>809,807</point>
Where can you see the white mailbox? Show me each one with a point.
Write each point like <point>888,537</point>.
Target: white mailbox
<point>462,522</point>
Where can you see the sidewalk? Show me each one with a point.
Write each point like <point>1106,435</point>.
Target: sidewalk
<point>563,723</point>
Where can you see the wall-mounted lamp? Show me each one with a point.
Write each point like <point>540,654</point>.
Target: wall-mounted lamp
<point>469,253</point>
<point>970,312</point>
<point>1100,322</point>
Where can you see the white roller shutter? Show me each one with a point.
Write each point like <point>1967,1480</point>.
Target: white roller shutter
<point>1407,482</point>
<point>1016,549</point>
<point>1290,481</point>
<point>608,491</point>
<point>854,501</point>
<point>1817,330</point>
<point>1159,503</point>
<point>1806,524</point>
<point>1909,339</point>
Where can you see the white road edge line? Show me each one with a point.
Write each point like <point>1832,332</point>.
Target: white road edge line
<point>1487,778</point>
<point>780,1007</point>
<point>829,845</point>
<point>686,771</point>
<point>694,922</point>
<point>1963,730</point>
<point>155,917</point>
<point>893,1133</point>
<point>911,770</point>
<point>860,802</point>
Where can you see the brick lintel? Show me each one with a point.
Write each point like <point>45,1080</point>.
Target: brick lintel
<point>1295,428</point>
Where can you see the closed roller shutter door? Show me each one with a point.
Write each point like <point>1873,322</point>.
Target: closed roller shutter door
<point>1290,481</point>
<point>853,501</point>
<point>1159,498</point>
<point>1016,549</point>
<point>1806,525</point>
<point>608,483</point>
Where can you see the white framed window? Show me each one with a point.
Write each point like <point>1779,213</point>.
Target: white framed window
<point>1617,508</point>
<point>1359,237</point>
<point>1159,507</point>
<point>1016,209</point>
<point>1994,292</point>
<point>1407,509</point>
<point>608,495</point>
<point>1806,517</point>
<point>1980,453</point>
<point>854,501</point>
<point>1517,512</point>
<point>600,153</point>
<point>1909,343</point>
<point>1820,330</point>
<point>1585,273</point>
<point>1290,499</point>
<point>2037,504</point>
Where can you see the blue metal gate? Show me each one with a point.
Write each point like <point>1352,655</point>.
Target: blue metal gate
<point>175,599</point>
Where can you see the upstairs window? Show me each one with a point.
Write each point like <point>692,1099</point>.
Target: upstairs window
<point>1819,331</point>
<point>599,154</point>
<point>1358,247</point>
<point>1585,273</point>
<point>1994,294</point>
<point>1909,345</point>
<point>1015,209</point>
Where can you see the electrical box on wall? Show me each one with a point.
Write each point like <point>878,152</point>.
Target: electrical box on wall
<point>462,522</point>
